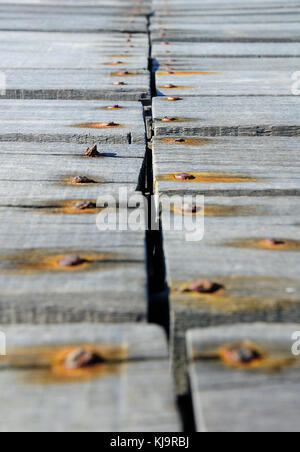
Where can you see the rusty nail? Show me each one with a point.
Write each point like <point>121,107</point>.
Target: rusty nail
<point>82,180</point>
<point>274,242</point>
<point>121,73</point>
<point>168,119</point>
<point>119,83</point>
<point>117,62</point>
<point>81,358</point>
<point>173,98</point>
<point>241,354</point>
<point>83,205</point>
<point>201,285</point>
<point>92,152</point>
<point>179,140</point>
<point>113,107</point>
<point>71,260</point>
<point>184,176</point>
<point>190,208</point>
<point>169,86</point>
<point>110,124</point>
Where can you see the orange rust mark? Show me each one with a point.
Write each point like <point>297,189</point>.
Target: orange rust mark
<point>186,141</point>
<point>46,365</point>
<point>122,55</point>
<point>219,211</point>
<point>85,181</point>
<point>170,86</point>
<point>123,74</point>
<point>174,119</point>
<point>65,207</point>
<point>250,357</point>
<point>207,177</point>
<point>114,63</point>
<point>97,125</point>
<point>266,244</point>
<point>172,72</point>
<point>40,260</point>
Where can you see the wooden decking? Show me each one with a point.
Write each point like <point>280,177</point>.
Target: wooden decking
<point>203,88</point>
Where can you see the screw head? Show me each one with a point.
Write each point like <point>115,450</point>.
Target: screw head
<point>184,176</point>
<point>82,180</point>
<point>241,354</point>
<point>84,205</point>
<point>168,119</point>
<point>169,86</point>
<point>190,208</point>
<point>80,358</point>
<point>202,285</point>
<point>92,152</point>
<point>71,260</point>
<point>274,242</point>
<point>113,107</point>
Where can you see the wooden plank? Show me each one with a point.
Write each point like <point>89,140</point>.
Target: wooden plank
<point>76,84</point>
<point>232,399</point>
<point>227,49</point>
<point>70,121</point>
<point>189,21</point>
<point>253,116</point>
<point>113,396</point>
<point>226,64</point>
<point>260,166</point>
<point>231,32</point>
<point>230,83</point>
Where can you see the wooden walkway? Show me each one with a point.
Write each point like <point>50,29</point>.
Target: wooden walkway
<point>180,98</point>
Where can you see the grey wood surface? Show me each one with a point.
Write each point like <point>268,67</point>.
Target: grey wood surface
<point>236,115</point>
<point>111,397</point>
<point>270,165</point>
<point>69,121</point>
<point>76,84</point>
<point>229,83</point>
<point>263,399</point>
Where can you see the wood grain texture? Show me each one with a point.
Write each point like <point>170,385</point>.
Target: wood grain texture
<point>117,400</point>
<point>55,121</point>
<point>233,400</point>
<point>234,116</point>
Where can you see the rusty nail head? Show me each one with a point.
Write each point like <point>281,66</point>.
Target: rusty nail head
<point>274,242</point>
<point>92,152</point>
<point>190,208</point>
<point>82,180</point>
<point>173,98</point>
<point>169,86</point>
<point>202,285</point>
<point>81,358</point>
<point>119,83</point>
<point>110,124</point>
<point>168,119</point>
<point>83,205</point>
<point>179,140</point>
<point>71,260</point>
<point>113,107</point>
<point>241,354</point>
<point>184,176</point>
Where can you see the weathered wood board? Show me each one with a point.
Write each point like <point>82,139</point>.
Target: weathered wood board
<point>233,115</point>
<point>264,398</point>
<point>230,166</point>
<point>230,32</point>
<point>71,121</point>
<point>76,84</point>
<point>41,50</point>
<point>109,397</point>
<point>226,49</point>
<point>168,23</point>
<point>208,64</point>
<point>229,83</point>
